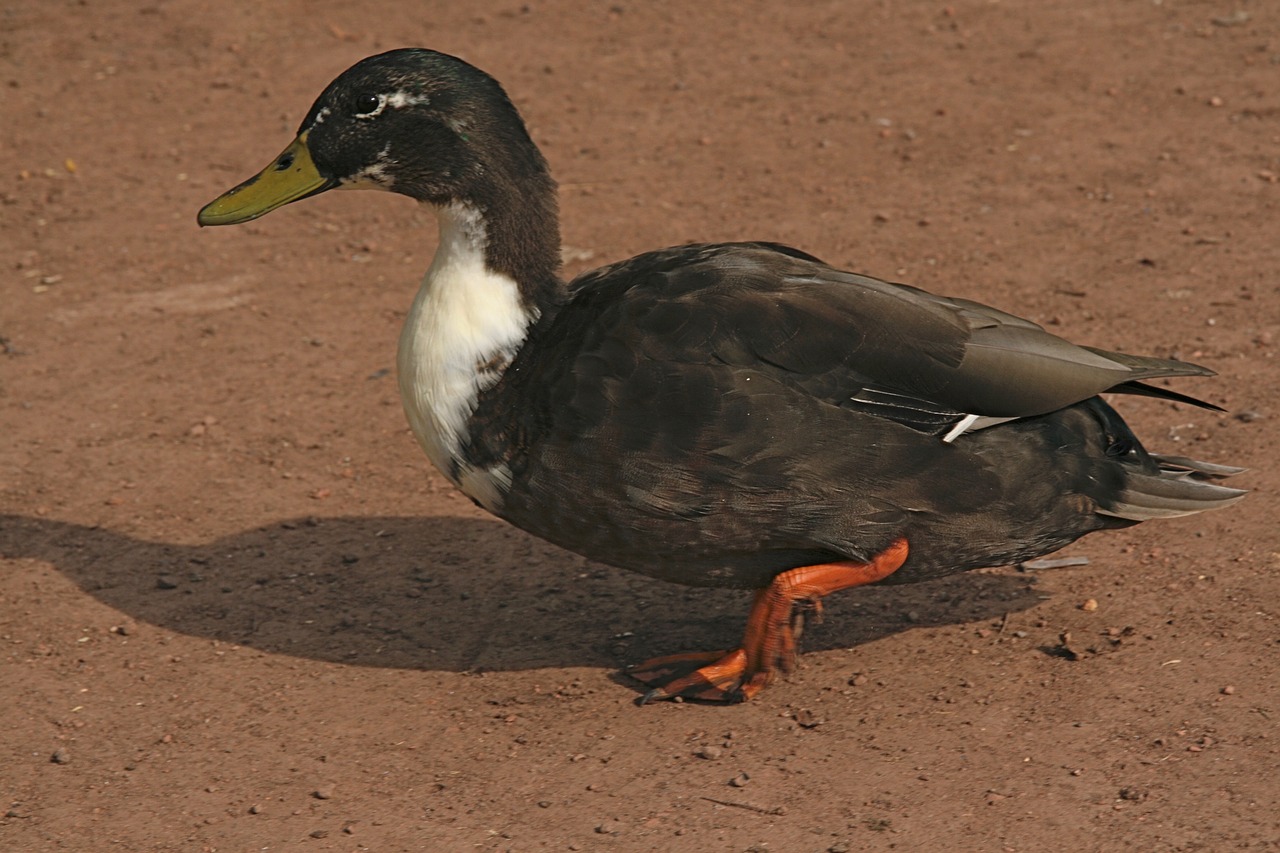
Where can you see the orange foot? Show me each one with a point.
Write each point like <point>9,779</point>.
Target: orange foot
<point>769,644</point>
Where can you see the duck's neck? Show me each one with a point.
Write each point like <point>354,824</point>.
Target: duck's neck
<point>484,290</point>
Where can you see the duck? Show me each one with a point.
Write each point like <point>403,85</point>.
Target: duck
<point>735,414</point>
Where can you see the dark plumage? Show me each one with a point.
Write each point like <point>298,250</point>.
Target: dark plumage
<point>719,415</point>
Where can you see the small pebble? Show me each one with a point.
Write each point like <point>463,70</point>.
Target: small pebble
<point>324,792</point>
<point>60,756</point>
<point>806,719</point>
<point>255,809</point>
<point>858,680</point>
<point>709,752</point>
<point>740,781</point>
<point>609,827</point>
<point>1228,690</point>
<point>166,582</point>
<point>1235,19</point>
<point>1089,605</point>
<point>320,833</point>
<point>839,847</point>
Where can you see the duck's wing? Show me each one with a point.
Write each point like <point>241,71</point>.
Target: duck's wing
<point>936,364</point>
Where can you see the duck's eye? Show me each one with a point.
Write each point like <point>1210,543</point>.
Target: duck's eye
<point>368,106</point>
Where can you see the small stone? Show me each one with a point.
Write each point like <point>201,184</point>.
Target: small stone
<point>709,752</point>
<point>740,781</point>
<point>320,833</point>
<point>1228,690</point>
<point>1064,648</point>
<point>609,827</point>
<point>1234,19</point>
<point>858,679</point>
<point>839,847</point>
<point>806,719</point>
<point>166,582</point>
<point>1089,605</point>
<point>544,804</point>
<point>60,756</point>
<point>255,809</point>
<point>324,792</point>
<point>1133,794</point>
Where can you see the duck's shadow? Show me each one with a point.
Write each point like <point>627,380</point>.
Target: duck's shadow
<point>448,594</point>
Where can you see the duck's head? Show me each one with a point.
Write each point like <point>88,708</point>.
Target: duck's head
<point>412,121</point>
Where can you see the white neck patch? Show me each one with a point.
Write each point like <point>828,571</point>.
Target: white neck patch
<point>464,317</point>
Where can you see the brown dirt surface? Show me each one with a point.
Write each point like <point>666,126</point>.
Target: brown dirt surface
<point>240,612</point>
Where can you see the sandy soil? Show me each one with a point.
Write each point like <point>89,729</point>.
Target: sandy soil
<point>240,612</point>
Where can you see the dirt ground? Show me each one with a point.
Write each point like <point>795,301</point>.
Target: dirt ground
<point>240,612</point>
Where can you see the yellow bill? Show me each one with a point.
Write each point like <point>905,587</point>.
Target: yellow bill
<point>292,176</point>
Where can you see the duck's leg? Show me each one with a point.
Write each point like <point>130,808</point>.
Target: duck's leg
<point>769,644</point>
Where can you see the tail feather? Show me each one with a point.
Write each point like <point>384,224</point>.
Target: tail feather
<point>1177,486</point>
<point>1142,389</point>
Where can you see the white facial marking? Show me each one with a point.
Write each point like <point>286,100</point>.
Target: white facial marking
<point>465,315</point>
<point>400,100</point>
<point>396,100</point>
<point>376,176</point>
<point>321,116</point>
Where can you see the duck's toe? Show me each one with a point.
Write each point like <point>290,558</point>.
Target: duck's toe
<point>721,677</point>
